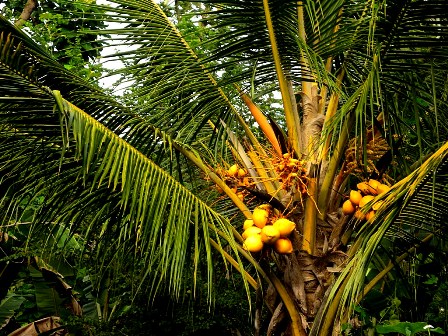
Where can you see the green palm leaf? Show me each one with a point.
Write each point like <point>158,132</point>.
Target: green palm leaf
<point>419,201</point>
<point>412,31</point>
<point>170,87</point>
<point>91,178</point>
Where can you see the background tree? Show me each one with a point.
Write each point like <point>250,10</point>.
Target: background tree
<point>54,25</point>
<point>359,84</point>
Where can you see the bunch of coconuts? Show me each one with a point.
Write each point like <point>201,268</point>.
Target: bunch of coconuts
<point>266,227</point>
<point>359,198</point>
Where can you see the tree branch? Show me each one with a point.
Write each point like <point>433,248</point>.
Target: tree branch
<point>30,6</point>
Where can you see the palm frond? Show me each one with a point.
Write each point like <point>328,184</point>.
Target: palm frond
<point>90,178</point>
<point>412,31</point>
<point>167,84</point>
<point>248,42</point>
<point>418,201</point>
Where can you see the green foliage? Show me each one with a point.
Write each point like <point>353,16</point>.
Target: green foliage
<point>437,311</point>
<point>33,294</point>
<point>414,292</point>
<point>61,27</point>
<point>9,306</point>
<point>408,328</point>
<point>186,317</point>
<point>112,172</point>
<point>108,304</point>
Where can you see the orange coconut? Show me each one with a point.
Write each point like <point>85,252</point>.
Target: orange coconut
<point>374,184</point>
<point>359,215</point>
<point>251,231</point>
<point>370,215</point>
<point>365,200</point>
<point>382,188</point>
<point>253,243</point>
<point>348,208</point>
<point>364,188</point>
<point>260,217</point>
<point>284,226</point>
<point>283,246</point>
<point>355,197</point>
<point>269,234</point>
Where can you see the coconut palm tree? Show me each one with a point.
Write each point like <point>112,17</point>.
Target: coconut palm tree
<point>177,163</point>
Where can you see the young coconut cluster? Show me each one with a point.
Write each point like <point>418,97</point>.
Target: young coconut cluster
<point>358,198</point>
<point>266,228</point>
<point>291,172</point>
<point>235,177</point>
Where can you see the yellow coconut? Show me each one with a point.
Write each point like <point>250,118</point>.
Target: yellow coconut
<point>374,184</point>
<point>382,188</point>
<point>355,197</point>
<point>260,217</point>
<point>280,167</point>
<point>365,200</point>
<point>265,206</point>
<point>348,208</point>
<point>247,224</point>
<point>269,234</point>
<point>253,244</point>
<point>233,170</point>
<point>251,231</point>
<point>283,246</point>
<point>292,163</point>
<point>242,172</point>
<point>284,226</point>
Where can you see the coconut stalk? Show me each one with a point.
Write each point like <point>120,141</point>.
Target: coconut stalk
<point>262,122</point>
<point>333,166</point>
<point>311,131</point>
